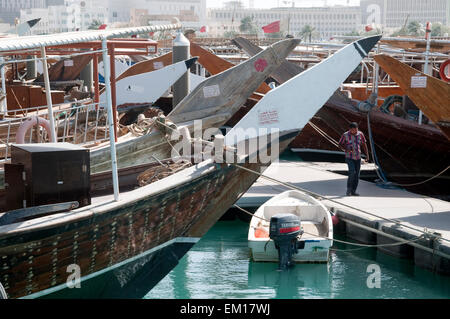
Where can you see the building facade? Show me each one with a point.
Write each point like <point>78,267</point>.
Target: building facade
<point>394,13</point>
<point>10,9</point>
<point>327,21</point>
<point>144,12</point>
<point>72,15</point>
<point>191,13</point>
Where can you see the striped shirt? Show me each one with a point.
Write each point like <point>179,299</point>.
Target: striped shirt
<point>352,144</point>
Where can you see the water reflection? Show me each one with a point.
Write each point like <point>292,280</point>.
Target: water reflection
<point>219,266</point>
<point>299,281</point>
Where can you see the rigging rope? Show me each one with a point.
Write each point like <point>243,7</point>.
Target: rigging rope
<point>325,135</point>
<point>318,195</point>
<point>321,197</point>
<point>379,170</point>
<point>341,241</point>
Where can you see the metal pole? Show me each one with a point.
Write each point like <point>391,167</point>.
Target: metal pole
<point>112,141</point>
<point>3,105</point>
<point>427,52</point>
<point>48,95</point>
<point>96,84</point>
<point>180,52</point>
<point>112,61</point>
<point>373,98</point>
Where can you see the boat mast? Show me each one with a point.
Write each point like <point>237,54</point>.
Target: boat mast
<point>427,52</point>
<point>48,95</point>
<point>112,139</point>
<point>3,92</point>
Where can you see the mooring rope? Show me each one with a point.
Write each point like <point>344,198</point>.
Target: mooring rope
<point>318,196</point>
<point>379,170</point>
<point>341,241</point>
<point>325,135</point>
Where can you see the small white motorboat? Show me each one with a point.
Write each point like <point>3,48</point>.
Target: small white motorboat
<point>298,215</point>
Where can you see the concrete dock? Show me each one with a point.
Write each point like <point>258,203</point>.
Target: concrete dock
<point>414,213</point>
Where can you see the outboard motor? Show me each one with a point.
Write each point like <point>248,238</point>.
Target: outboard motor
<point>284,230</point>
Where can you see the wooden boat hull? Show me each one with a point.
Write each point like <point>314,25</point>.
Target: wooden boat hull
<point>407,152</point>
<point>130,233</point>
<point>432,96</point>
<point>37,254</point>
<point>208,60</point>
<point>66,69</point>
<point>214,101</point>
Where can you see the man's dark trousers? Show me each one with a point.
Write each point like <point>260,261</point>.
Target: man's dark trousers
<point>354,167</point>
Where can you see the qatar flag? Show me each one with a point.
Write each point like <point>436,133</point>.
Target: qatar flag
<point>203,29</point>
<point>272,28</point>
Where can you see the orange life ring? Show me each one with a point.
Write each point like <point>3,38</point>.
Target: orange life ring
<point>29,123</point>
<point>442,71</point>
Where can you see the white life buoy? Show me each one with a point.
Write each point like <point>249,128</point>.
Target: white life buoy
<point>29,123</point>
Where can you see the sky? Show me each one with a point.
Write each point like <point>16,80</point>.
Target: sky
<point>283,3</point>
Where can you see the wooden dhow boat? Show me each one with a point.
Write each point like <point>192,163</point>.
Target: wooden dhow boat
<point>428,93</point>
<point>123,248</point>
<point>75,118</point>
<point>404,155</point>
<point>214,101</point>
<point>211,62</point>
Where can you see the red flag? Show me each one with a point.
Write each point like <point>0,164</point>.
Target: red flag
<point>272,28</point>
<point>151,34</point>
<point>203,29</point>
<point>102,27</point>
<point>368,28</point>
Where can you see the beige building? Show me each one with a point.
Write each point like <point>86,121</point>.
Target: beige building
<point>143,12</point>
<point>10,9</point>
<point>140,17</point>
<point>393,13</point>
<point>327,21</point>
<point>72,15</point>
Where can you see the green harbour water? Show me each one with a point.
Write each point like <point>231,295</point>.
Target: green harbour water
<point>219,267</point>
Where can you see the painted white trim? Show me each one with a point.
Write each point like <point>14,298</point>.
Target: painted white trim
<point>192,240</point>
<point>147,87</point>
<point>291,105</point>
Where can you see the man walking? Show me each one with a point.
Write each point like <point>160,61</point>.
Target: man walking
<point>351,141</point>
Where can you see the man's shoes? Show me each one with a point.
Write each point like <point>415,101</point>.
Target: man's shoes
<point>349,194</point>
<point>355,194</point>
